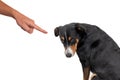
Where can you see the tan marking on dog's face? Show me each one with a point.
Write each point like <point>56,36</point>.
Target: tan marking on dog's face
<point>69,38</point>
<point>62,38</point>
<point>74,46</point>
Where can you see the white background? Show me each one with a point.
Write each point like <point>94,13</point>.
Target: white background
<point>41,56</point>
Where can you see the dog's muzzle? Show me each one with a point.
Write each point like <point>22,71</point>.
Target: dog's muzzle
<point>68,52</point>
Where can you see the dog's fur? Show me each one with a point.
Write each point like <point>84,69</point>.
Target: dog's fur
<point>96,50</point>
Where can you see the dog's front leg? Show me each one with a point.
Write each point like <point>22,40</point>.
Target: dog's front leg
<point>86,72</point>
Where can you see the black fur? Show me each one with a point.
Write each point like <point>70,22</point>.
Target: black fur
<point>95,49</point>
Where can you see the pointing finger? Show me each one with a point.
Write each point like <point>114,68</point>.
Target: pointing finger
<point>40,29</point>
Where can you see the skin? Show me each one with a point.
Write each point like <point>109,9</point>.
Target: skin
<point>23,21</point>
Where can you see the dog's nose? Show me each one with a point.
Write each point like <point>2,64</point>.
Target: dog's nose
<point>68,55</point>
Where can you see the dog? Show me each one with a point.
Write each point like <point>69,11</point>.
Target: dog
<point>96,50</point>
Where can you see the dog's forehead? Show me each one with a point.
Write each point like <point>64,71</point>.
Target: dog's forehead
<point>68,30</point>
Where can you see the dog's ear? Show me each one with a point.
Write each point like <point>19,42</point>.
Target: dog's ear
<point>56,31</point>
<point>80,29</point>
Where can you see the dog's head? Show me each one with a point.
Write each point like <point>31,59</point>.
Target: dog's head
<point>70,36</point>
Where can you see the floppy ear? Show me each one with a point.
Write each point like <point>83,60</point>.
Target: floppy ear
<point>56,31</point>
<point>80,29</point>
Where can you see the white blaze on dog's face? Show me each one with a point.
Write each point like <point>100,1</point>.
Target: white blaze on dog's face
<point>70,46</point>
<point>69,52</point>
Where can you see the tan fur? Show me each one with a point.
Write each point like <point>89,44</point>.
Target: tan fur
<point>92,76</point>
<point>74,47</point>
<point>86,73</point>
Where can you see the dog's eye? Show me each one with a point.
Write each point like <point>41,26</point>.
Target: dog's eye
<point>72,40</point>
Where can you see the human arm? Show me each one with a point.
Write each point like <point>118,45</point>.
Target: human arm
<point>23,21</point>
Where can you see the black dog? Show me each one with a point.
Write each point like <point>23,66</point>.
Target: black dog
<point>96,50</point>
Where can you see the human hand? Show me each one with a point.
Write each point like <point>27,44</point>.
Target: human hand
<point>26,23</point>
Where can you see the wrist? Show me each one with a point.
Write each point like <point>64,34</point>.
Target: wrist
<point>14,14</point>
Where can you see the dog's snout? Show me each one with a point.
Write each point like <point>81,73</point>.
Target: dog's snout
<point>68,55</point>
<point>68,52</point>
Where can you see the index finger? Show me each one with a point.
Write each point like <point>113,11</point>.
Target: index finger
<point>40,29</point>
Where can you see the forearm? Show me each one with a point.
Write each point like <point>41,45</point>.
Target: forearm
<point>7,10</point>
<point>23,21</point>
